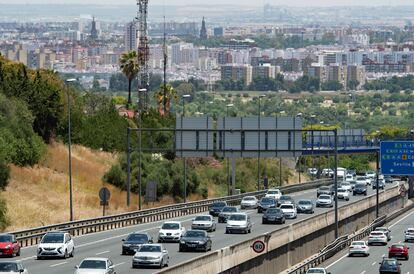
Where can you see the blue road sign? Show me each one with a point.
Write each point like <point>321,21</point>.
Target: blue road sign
<point>397,158</point>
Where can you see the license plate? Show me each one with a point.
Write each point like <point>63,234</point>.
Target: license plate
<point>191,245</point>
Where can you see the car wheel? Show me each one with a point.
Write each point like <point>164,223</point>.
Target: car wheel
<point>159,241</point>
<point>18,253</point>
<point>227,232</point>
<point>312,212</point>
<point>72,253</point>
<point>161,264</point>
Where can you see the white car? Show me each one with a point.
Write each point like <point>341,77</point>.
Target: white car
<point>371,174</point>
<point>15,267</point>
<point>249,202</point>
<point>317,270</point>
<point>377,237</point>
<point>151,255</point>
<point>363,180</point>
<point>347,186</point>
<point>343,194</point>
<point>289,210</point>
<point>95,266</point>
<point>56,244</point>
<point>324,201</point>
<point>349,178</point>
<point>239,222</point>
<point>204,222</point>
<point>312,171</point>
<point>358,248</point>
<point>171,232</point>
<point>273,193</point>
<point>409,235</point>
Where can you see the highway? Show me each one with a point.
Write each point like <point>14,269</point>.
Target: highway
<point>366,265</point>
<point>108,243</point>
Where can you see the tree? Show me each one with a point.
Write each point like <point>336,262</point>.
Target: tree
<point>130,68</point>
<point>164,96</point>
<point>353,84</point>
<point>332,85</point>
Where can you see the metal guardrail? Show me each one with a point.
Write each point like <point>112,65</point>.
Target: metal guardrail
<point>33,236</point>
<point>336,246</point>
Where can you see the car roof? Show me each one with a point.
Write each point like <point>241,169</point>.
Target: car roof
<point>172,222</point>
<point>153,244</point>
<point>203,215</point>
<point>96,259</point>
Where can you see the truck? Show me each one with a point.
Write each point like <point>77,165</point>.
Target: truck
<point>341,174</point>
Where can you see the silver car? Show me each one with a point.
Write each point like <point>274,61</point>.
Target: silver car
<point>12,267</point>
<point>151,255</point>
<point>204,222</point>
<point>386,231</point>
<point>324,201</point>
<point>239,222</point>
<point>249,202</point>
<point>377,237</point>
<point>409,235</point>
<point>358,248</point>
<point>96,266</point>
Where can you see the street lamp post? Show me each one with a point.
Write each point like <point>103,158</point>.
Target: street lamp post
<point>299,115</point>
<point>141,91</point>
<point>280,158</point>
<point>228,164</point>
<point>68,81</point>
<point>260,135</point>
<point>184,159</point>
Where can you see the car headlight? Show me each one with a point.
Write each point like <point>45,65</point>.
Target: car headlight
<point>176,234</point>
<point>161,234</point>
<point>201,242</point>
<point>126,245</point>
<point>8,246</point>
<point>182,242</point>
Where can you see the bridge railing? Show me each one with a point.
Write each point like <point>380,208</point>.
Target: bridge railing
<point>33,236</point>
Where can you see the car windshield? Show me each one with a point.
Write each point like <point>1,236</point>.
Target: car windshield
<point>229,209</point>
<point>345,184</point>
<point>237,217</point>
<point>324,188</point>
<point>360,186</point>
<point>141,238</point>
<point>381,229</point>
<point>325,197</point>
<point>342,190</point>
<point>6,238</point>
<point>170,226</point>
<point>377,233</point>
<point>410,230</point>
<point>389,263</point>
<point>304,202</point>
<point>286,206</point>
<point>150,248</point>
<point>273,192</point>
<point>285,197</point>
<point>318,271</point>
<point>219,204</point>
<point>249,198</point>
<point>267,200</point>
<point>53,238</point>
<point>358,243</point>
<point>202,218</point>
<point>8,267</point>
<point>399,246</point>
<point>195,234</point>
<point>273,211</point>
<point>93,264</point>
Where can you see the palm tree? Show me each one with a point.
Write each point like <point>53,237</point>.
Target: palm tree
<point>130,68</point>
<point>168,93</point>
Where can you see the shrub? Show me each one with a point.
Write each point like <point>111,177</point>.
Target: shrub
<point>4,175</point>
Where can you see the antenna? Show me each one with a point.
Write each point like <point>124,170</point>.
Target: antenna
<point>143,54</point>
<point>165,67</point>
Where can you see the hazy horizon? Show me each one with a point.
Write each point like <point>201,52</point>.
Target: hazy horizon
<point>258,3</point>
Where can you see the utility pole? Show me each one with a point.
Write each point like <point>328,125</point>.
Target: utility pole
<point>165,69</point>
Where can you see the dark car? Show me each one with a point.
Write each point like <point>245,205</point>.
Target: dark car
<point>273,215</point>
<point>398,251</point>
<point>389,266</point>
<point>9,245</point>
<point>134,241</point>
<point>305,206</point>
<point>195,240</point>
<point>360,189</point>
<point>351,172</point>
<point>328,190</point>
<point>266,203</point>
<point>226,212</point>
<point>381,184</point>
<point>216,208</point>
<point>285,199</point>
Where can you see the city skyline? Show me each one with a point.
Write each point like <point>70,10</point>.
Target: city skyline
<point>226,2</point>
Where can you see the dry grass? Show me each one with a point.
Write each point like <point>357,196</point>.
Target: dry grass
<point>40,195</point>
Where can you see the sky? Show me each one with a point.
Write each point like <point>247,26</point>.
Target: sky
<point>227,2</point>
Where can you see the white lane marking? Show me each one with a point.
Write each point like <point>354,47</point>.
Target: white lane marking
<point>363,272</point>
<point>373,263</point>
<point>103,252</point>
<point>27,258</point>
<point>337,261</point>
<point>115,265</point>
<point>400,220</point>
<point>54,265</point>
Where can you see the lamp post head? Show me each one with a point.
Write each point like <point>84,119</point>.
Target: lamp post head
<point>300,114</point>
<point>186,96</point>
<point>230,105</point>
<point>71,80</point>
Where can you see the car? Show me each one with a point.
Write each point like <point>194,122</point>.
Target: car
<point>9,246</point>
<point>216,208</point>
<point>273,215</point>
<point>389,179</point>
<point>249,202</point>
<point>398,251</point>
<point>353,184</point>
<point>265,203</point>
<point>351,172</point>
<point>204,222</point>
<point>226,212</point>
<point>327,172</point>
<point>360,189</point>
<point>285,199</point>
<point>14,267</point>
<point>56,244</point>
<point>363,180</point>
<point>171,232</point>
<point>133,241</point>
<point>349,178</point>
<point>289,210</point>
<point>343,194</point>
<point>273,193</point>
<point>389,265</point>
<point>381,184</point>
<point>305,206</point>
<point>324,201</point>
<point>239,222</point>
<point>329,190</point>
<point>371,174</point>
<point>312,171</point>
<point>409,235</point>
<point>358,248</point>
<point>317,270</point>
<point>377,237</point>
<point>95,265</point>
<point>195,240</point>
<point>385,230</point>
<point>347,186</point>
<point>151,255</point>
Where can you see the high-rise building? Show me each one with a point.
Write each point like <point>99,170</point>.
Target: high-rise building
<point>264,72</point>
<point>203,31</point>
<point>237,73</point>
<point>131,36</point>
<point>356,73</point>
<point>94,30</point>
<point>337,73</point>
<point>219,31</point>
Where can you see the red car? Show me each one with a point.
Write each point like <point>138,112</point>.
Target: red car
<point>398,251</point>
<point>9,245</point>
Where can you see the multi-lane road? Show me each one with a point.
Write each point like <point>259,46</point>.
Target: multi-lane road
<point>367,265</point>
<point>108,243</point>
